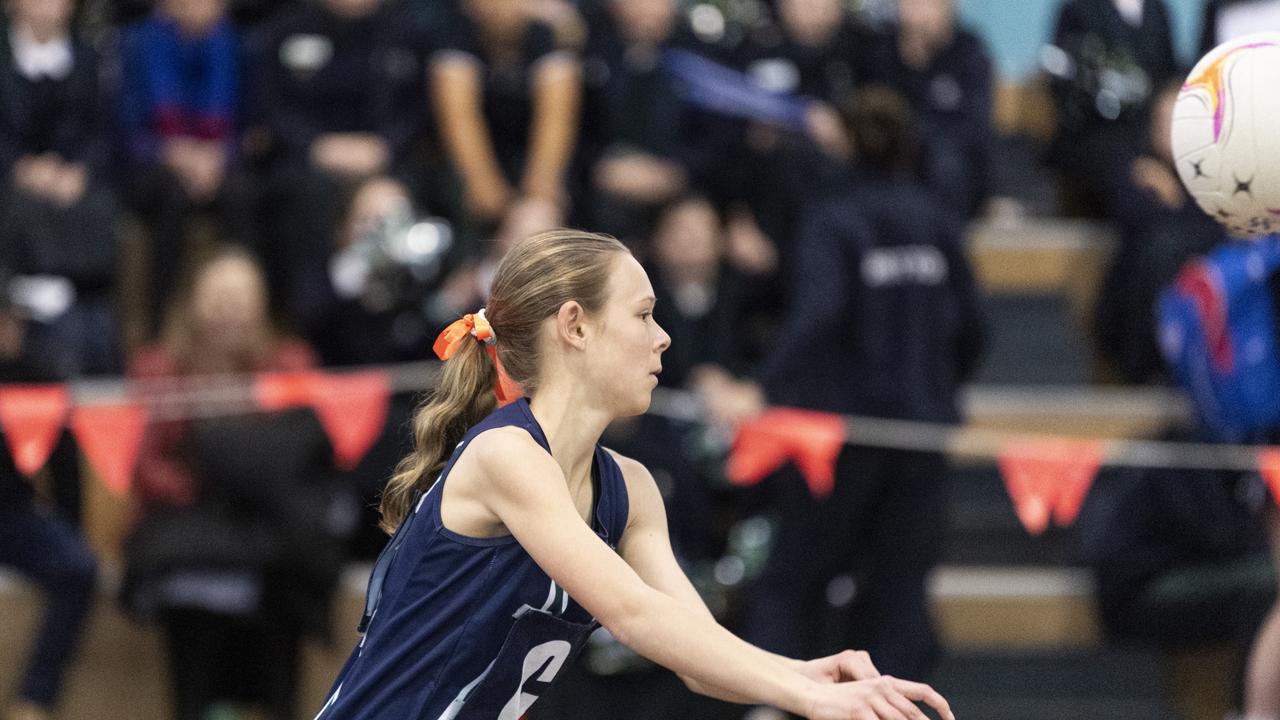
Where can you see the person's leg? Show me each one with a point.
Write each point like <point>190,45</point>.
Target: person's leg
<point>1262,677</point>
<point>278,648</point>
<point>905,529</point>
<point>785,607</point>
<point>160,201</point>
<point>48,550</point>
<point>195,640</point>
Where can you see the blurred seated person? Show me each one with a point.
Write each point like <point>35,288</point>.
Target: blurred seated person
<point>700,304</point>
<point>1161,228</point>
<point>368,300</point>
<point>57,215</point>
<point>812,48</point>
<point>40,542</point>
<point>1187,559</point>
<point>179,99</point>
<point>944,72</point>
<point>337,92</point>
<point>1229,19</point>
<point>507,105</point>
<point>1107,61</point>
<point>467,286</point>
<point>237,547</point>
<point>637,148</point>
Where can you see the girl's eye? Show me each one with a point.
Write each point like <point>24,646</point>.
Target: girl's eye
<point>646,315</point>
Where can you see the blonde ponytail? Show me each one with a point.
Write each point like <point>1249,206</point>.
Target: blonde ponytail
<point>463,397</point>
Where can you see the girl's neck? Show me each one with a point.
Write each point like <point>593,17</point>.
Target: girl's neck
<point>572,426</point>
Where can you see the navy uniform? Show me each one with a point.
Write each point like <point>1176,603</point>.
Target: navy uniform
<point>462,628</point>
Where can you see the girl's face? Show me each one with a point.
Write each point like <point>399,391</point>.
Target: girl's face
<point>229,305</point>
<point>44,17</point>
<point>626,356</point>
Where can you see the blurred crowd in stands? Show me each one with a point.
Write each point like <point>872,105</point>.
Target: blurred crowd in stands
<point>196,187</point>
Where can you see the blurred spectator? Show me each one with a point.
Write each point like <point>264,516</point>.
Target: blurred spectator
<point>636,147</point>
<point>945,73</point>
<point>1181,561</point>
<point>57,218</point>
<point>237,549</point>
<point>1161,228</point>
<point>1228,19</point>
<point>338,87</point>
<point>813,49</point>
<point>41,543</point>
<point>468,285</point>
<point>507,103</point>
<point>1107,60</point>
<point>179,99</point>
<point>698,291</point>
<point>884,322</point>
<point>369,299</point>
<point>699,303</point>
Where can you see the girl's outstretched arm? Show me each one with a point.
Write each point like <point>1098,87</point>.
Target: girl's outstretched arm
<point>526,491</point>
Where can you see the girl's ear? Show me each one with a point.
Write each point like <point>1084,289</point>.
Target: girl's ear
<point>571,324</point>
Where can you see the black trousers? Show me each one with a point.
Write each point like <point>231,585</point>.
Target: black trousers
<point>215,658</point>
<point>882,526</point>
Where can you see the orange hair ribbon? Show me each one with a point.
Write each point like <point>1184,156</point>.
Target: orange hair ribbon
<point>477,326</point>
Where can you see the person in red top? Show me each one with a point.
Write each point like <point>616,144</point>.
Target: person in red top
<point>219,325</point>
<point>222,555</point>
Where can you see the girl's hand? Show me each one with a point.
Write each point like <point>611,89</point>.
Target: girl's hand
<point>846,666</point>
<point>882,698</point>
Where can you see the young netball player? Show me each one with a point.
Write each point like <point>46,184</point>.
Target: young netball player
<point>515,533</point>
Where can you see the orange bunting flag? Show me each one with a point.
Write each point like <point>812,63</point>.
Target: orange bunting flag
<point>353,409</point>
<point>1049,479</point>
<point>32,417</point>
<point>1269,466</point>
<point>109,436</point>
<point>284,390</point>
<point>810,440</point>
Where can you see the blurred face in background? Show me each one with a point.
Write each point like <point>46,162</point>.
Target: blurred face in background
<point>931,19</point>
<point>194,17</point>
<point>45,19</point>
<point>375,200</point>
<point>229,306</point>
<point>810,22</point>
<point>352,8</point>
<point>499,18</point>
<point>688,242</point>
<point>526,217</point>
<point>645,21</point>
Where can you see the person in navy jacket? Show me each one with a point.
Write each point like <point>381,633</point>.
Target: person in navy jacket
<point>516,533</point>
<point>884,322</point>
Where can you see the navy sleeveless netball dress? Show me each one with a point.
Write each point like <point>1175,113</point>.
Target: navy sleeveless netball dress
<point>461,628</point>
